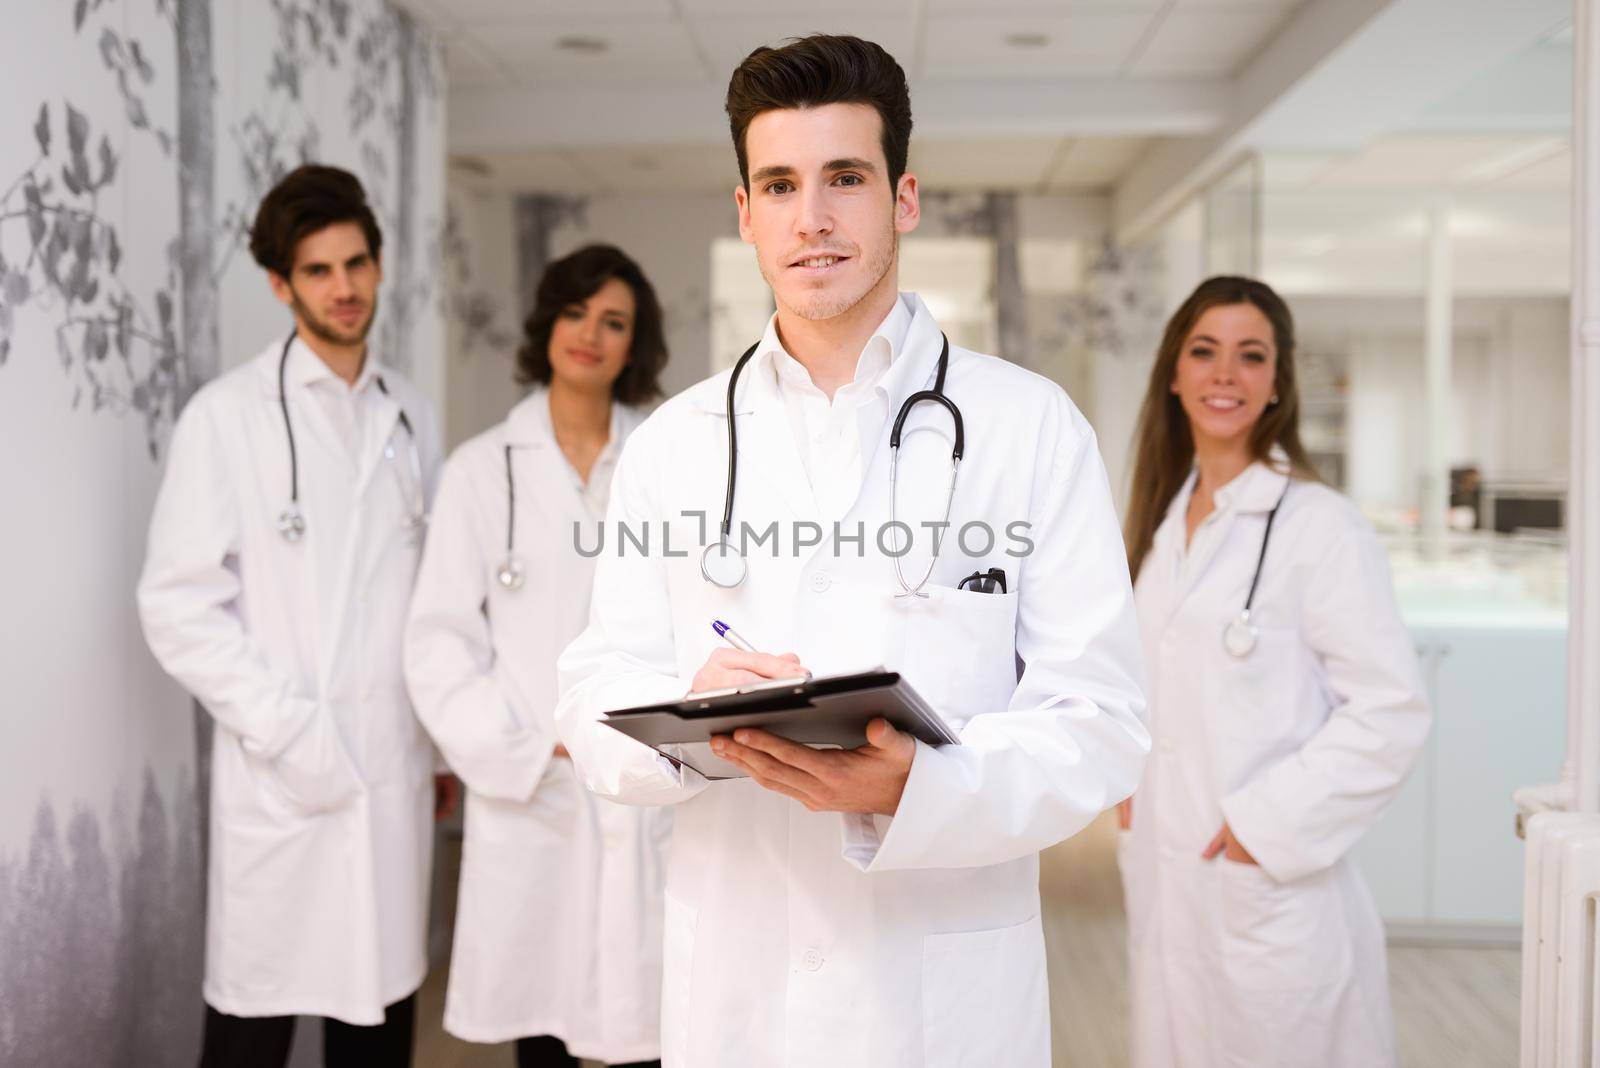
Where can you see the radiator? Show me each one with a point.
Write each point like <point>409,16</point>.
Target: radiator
<point>1562,886</point>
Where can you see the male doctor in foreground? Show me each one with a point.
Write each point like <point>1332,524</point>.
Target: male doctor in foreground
<point>282,550</point>
<point>878,906</point>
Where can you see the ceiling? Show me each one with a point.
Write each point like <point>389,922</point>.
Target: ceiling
<point>1139,99</point>
<point>656,43</point>
<point>1070,56</point>
<point>1359,222</point>
<point>1411,163</point>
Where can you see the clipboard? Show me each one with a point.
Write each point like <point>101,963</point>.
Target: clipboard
<point>825,713</point>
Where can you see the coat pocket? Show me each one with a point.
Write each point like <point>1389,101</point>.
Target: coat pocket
<point>313,773</point>
<point>677,974</point>
<point>1287,973</point>
<point>961,651</point>
<point>1258,690</point>
<point>1281,936</point>
<point>985,998</point>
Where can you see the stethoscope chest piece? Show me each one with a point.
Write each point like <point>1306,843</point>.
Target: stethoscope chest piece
<point>292,525</point>
<point>722,565</point>
<point>511,574</point>
<point>1239,636</point>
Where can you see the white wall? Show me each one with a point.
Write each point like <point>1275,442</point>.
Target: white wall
<point>100,915</point>
<point>670,236</point>
<point>482,327</point>
<point>1136,298</point>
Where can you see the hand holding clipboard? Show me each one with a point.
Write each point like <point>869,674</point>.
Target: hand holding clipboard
<point>838,744</point>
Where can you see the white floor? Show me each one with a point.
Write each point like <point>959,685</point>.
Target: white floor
<point>1455,1007</point>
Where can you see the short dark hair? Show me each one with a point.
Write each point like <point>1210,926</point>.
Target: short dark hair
<point>307,199</point>
<point>575,278</point>
<point>822,69</point>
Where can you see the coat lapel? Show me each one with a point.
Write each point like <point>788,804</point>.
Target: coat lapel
<point>769,458</point>
<point>913,370</point>
<point>1252,494</point>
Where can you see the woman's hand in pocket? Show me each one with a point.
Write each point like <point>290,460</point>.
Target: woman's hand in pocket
<point>1225,843</point>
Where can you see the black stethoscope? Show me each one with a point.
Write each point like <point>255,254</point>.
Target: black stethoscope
<point>723,565</point>
<point>511,574</point>
<point>1239,636</point>
<point>292,521</point>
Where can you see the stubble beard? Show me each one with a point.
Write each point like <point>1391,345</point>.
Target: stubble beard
<point>326,331</point>
<point>820,306</point>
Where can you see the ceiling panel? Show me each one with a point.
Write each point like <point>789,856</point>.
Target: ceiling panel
<point>661,169</point>
<point>815,13</point>
<point>1421,162</point>
<point>545,170</point>
<point>1235,5</point>
<point>466,66</point>
<point>478,12</point>
<point>1093,162</point>
<point>727,41</point>
<point>1021,46</point>
<point>967,164</point>
<point>635,53</point>
<point>1038,7</point>
<point>1291,171</point>
<point>1552,174</point>
<point>1200,41</point>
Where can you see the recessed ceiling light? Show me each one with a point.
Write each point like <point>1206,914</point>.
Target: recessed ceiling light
<point>1027,40</point>
<point>589,46</point>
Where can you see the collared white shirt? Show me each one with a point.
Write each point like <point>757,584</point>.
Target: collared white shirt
<point>1193,552</point>
<point>828,435</point>
<point>348,406</point>
<point>595,493</point>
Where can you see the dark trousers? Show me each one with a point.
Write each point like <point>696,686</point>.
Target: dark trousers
<point>264,1041</point>
<point>547,1051</point>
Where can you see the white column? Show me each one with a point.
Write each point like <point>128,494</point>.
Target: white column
<point>1437,335</point>
<point>1583,491</point>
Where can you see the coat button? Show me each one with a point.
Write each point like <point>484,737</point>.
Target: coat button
<point>1168,853</point>
<point>812,960</point>
<point>1166,745</point>
<point>820,582</point>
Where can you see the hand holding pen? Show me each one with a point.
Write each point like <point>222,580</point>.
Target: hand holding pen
<point>742,665</point>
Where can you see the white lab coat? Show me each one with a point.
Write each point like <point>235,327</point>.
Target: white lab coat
<point>558,926</point>
<point>321,793</point>
<point>1299,747</point>
<point>798,938</point>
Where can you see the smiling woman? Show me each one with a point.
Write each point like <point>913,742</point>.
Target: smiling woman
<point>595,311</point>
<point>1286,710</point>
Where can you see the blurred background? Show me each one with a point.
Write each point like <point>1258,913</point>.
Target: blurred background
<point>1400,170</point>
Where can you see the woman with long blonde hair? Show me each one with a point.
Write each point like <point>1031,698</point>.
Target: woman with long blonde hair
<point>1286,710</point>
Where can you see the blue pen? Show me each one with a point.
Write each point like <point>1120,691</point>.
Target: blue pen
<point>731,636</point>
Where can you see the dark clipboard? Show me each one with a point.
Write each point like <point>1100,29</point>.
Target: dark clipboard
<point>831,713</point>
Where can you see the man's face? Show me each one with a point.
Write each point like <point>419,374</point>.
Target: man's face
<point>333,286</point>
<point>825,222</point>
